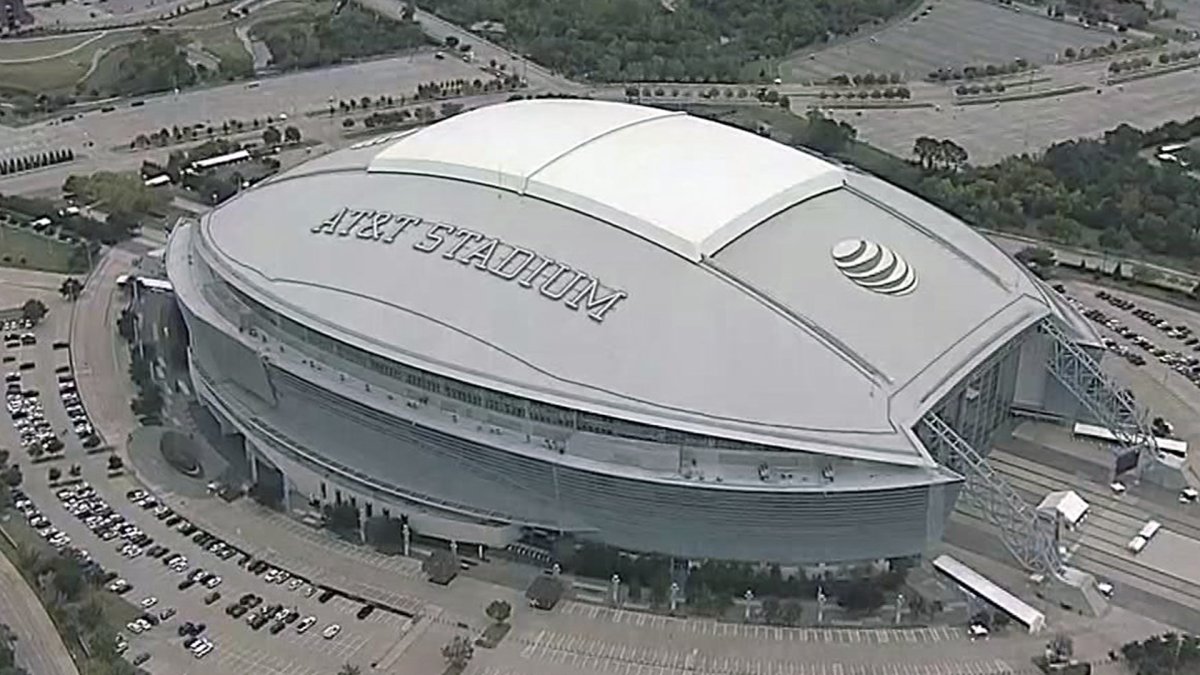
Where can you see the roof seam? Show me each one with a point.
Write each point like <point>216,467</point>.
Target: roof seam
<point>843,351</point>
<point>930,234</point>
<point>603,134</point>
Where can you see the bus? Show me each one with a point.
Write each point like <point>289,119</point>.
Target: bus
<point>1169,446</point>
<point>1172,147</point>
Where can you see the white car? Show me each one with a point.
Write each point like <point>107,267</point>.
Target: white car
<point>976,631</point>
<point>1105,588</point>
<point>203,650</point>
<point>1188,495</point>
<point>213,582</point>
<point>134,627</point>
<point>1118,488</point>
<point>305,623</point>
<point>295,583</point>
<point>149,602</point>
<point>331,631</point>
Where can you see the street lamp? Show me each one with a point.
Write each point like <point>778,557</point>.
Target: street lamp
<point>899,606</point>
<point>674,596</point>
<point>616,589</point>
<point>820,604</point>
<point>749,598</point>
<point>407,535</point>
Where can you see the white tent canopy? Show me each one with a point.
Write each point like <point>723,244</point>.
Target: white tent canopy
<point>1070,507</point>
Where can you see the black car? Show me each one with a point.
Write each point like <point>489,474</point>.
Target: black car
<point>325,597</point>
<point>201,537</point>
<point>172,521</point>
<point>365,611</point>
<point>238,611</point>
<point>186,584</point>
<point>277,627</point>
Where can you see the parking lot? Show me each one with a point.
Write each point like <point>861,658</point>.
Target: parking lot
<point>992,132</point>
<point>771,633</point>
<point>159,561</point>
<point>606,656</point>
<point>994,667</point>
<point>952,34</point>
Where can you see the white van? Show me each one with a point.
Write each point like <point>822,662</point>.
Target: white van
<point>1136,544</point>
<point>1150,529</point>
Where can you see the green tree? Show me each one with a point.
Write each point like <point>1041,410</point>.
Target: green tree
<point>33,310</point>
<point>291,134</point>
<point>458,652</point>
<point>349,669</point>
<point>271,136</point>
<point>499,611</point>
<point>70,289</point>
<point>385,534</point>
<point>1060,649</point>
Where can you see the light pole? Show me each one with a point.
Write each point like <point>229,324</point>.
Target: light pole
<point>674,596</point>
<point>407,535</point>
<point>749,598</point>
<point>899,606</point>
<point>616,589</point>
<point>820,604</point>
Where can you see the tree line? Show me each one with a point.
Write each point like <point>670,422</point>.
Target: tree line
<point>634,40</point>
<point>35,161</point>
<point>1101,192</point>
<point>319,38</point>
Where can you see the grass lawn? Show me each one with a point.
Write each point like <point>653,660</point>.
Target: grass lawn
<point>41,47</point>
<point>117,612</point>
<point>60,74</point>
<point>29,250</point>
<point>223,43</point>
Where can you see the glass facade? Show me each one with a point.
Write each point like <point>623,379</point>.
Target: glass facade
<point>978,408</point>
<point>425,383</point>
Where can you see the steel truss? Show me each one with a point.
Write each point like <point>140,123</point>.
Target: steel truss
<point>1027,536</point>
<point>1115,409</point>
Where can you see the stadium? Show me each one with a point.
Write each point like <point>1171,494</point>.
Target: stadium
<point>619,323</point>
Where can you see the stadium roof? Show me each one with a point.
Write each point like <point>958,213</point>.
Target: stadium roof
<point>753,291</point>
<point>716,184</point>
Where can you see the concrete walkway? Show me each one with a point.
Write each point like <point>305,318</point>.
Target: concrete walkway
<point>39,647</point>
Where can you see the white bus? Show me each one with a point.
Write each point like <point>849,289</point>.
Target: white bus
<point>1172,147</point>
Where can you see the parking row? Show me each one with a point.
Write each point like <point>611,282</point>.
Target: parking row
<point>762,632</point>
<point>1175,357</point>
<point>611,656</point>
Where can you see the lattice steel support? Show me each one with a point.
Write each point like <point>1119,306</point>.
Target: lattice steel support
<point>1115,409</point>
<point>1028,537</point>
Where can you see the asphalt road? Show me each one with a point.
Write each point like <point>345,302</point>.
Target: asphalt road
<point>39,647</point>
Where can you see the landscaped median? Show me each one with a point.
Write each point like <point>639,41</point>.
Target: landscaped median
<point>83,613</point>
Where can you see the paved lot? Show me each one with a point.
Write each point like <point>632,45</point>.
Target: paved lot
<point>769,633</point>
<point>991,132</point>
<point>1160,389</point>
<point>955,33</point>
